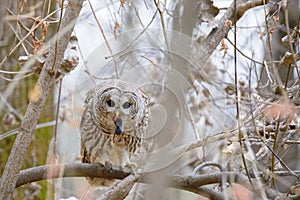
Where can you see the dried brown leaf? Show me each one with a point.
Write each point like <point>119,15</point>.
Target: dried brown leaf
<point>38,44</point>
<point>224,47</point>
<point>117,27</point>
<point>123,2</point>
<point>228,23</point>
<point>229,90</point>
<point>208,123</point>
<point>289,59</point>
<point>206,92</point>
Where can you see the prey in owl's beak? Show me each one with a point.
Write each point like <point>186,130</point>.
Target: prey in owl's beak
<point>119,128</point>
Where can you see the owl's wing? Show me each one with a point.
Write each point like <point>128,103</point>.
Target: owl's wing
<point>89,95</point>
<point>86,156</point>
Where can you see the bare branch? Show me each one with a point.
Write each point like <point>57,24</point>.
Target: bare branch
<point>98,170</point>
<point>189,183</point>
<point>121,189</point>
<point>192,183</point>
<point>70,170</point>
<point>224,25</point>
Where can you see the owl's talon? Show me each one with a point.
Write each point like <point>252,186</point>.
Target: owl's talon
<point>108,165</point>
<point>129,167</point>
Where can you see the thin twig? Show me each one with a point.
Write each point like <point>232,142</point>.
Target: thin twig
<point>135,39</point>
<point>29,63</point>
<point>162,23</point>
<point>38,126</point>
<point>242,53</point>
<point>103,35</point>
<point>286,17</point>
<point>236,92</point>
<point>26,36</point>
<point>254,165</point>
<point>206,164</point>
<point>17,36</point>
<point>281,161</point>
<point>274,150</point>
<point>10,108</point>
<point>56,35</point>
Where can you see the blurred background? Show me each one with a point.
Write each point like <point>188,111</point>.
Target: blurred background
<point>159,46</point>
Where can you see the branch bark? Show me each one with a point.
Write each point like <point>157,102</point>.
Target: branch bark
<point>224,25</point>
<point>69,170</point>
<point>44,83</point>
<point>190,183</point>
<point>121,189</point>
<point>196,183</point>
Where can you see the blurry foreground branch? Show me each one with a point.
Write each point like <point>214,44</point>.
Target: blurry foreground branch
<point>46,79</point>
<point>121,189</point>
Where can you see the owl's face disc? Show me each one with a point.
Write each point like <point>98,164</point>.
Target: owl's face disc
<point>114,100</point>
<point>119,109</point>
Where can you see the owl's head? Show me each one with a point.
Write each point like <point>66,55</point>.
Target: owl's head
<point>120,106</point>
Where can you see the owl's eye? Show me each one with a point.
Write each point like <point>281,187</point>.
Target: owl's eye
<point>110,103</point>
<point>126,105</point>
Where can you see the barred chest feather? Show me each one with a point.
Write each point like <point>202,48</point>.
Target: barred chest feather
<point>113,125</point>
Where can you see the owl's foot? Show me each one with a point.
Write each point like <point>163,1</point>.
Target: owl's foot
<point>129,167</point>
<point>108,165</point>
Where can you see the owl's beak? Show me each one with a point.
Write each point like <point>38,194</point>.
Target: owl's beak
<point>118,123</point>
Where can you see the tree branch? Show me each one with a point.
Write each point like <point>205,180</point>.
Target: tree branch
<point>224,25</point>
<point>195,183</point>
<point>189,183</point>
<point>98,170</point>
<point>42,89</point>
<point>70,170</point>
<point>121,189</point>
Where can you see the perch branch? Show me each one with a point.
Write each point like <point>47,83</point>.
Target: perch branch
<point>42,88</point>
<point>189,183</point>
<point>196,183</point>
<point>69,170</point>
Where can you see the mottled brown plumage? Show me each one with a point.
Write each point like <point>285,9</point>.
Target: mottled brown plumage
<point>113,125</point>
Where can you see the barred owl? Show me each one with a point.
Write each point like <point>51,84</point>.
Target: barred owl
<point>113,125</point>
